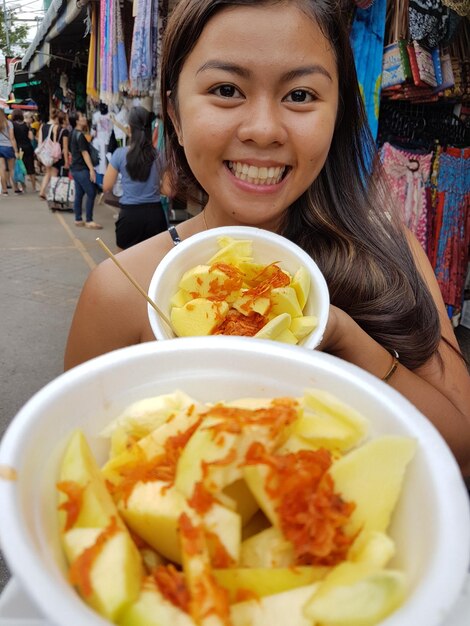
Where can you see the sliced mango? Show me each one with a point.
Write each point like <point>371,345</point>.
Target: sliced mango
<point>301,284</point>
<point>198,317</point>
<point>356,594</point>
<point>372,477</point>
<point>273,328</point>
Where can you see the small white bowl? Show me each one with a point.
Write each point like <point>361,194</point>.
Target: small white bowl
<point>268,248</point>
<point>431,525</point>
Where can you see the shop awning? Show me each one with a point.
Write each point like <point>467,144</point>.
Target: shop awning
<point>59,15</point>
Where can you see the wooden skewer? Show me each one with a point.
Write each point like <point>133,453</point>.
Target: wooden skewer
<point>134,282</point>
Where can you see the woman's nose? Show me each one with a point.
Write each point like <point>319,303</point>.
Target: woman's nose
<point>262,124</point>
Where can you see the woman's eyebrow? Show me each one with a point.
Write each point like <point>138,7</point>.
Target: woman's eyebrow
<point>233,68</point>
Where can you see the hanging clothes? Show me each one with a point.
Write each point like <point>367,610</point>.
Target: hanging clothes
<point>92,80</point>
<point>367,40</point>
<point>144,62</point>
<point>114,73</point>
<point>408,175</point>
<point>452,224</point>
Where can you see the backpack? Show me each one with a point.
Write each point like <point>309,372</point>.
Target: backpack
<point>94,155</point>
<point>93,152</point>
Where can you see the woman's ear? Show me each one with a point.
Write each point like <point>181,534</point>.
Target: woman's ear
<point>174,118</point>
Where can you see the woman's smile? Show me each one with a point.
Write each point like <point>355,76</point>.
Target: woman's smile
<point>264,176</point>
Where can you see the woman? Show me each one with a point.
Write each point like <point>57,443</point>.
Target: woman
<point>8,152</point>
<point>63,139</point>
<point>50,128</point>
<point>141,214</point>
<point>24,136</point>
<point>262,111</point>
<point>83,172</point>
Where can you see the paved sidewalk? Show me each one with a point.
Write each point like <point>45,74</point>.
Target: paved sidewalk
<point>44,261</point>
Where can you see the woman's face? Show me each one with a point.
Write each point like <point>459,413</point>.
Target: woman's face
<point>257,104</point>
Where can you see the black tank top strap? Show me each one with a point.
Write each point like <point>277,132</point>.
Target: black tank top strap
<point>174,235</point>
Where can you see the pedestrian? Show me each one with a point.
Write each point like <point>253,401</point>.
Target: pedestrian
<point>263,114</point>
<point>141,213</point>
<point>82,171</point>
<point>8,152</point>
<point>63,139</point>
<point>51,128</point>
<point>24,136</point>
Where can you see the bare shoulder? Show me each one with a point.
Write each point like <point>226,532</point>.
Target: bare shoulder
<point>425,268</point>
<point>111,313</point>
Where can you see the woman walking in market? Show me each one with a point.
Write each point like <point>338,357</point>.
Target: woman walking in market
<point>82,171</point>
<point>24,136</point>
<point>8,151</point>
<point>52,129</point>
<point>141,213</point>
<point>63,139</point>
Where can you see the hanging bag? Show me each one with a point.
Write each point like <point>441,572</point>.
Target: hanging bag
<point>396,68</point>
<point>19,173</point>
<point>46,151</point>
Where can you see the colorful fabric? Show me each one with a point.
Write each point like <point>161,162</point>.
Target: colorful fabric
<point>428,21</point>
<point>93,64</point>
<point>114,74</point>
<point>143,63</point>
<point>408,175</point>
<point>367,40</point>
<point>453,224</point>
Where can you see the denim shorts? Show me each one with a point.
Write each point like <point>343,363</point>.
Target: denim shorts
<point>7,152</point>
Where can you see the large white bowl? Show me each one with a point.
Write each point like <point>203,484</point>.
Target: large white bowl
<point>268,248</point>
<point>431,525</point>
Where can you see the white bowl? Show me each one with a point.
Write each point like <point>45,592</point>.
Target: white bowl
<point>267,248</point>
<point>431,525</point>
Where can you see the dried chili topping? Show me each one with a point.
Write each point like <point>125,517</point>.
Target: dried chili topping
<point>275,417</point>
<point>201,500</point>
<point>72,506</point>
<point>241,325</point>
<point>80,570</point>
<point>162,467</point>
<point>242,595</point>
<point>220,558</point>
<point>272,277</point>
<point>311,514</point>
<point>207,596</point>
<point>172,586</point>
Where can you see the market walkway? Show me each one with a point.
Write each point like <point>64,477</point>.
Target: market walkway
<point>44,261</point>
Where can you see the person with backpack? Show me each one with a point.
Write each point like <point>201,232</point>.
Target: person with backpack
<point>63,140</point>
<point>83,171</point>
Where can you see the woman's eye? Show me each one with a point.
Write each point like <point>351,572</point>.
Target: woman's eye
<point>226,91</point>
<point>300,96</point>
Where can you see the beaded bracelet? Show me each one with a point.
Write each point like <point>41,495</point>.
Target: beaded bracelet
<point>393,367</point>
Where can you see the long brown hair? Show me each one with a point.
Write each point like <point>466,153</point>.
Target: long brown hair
<point>3,120</point>
<point>345,219</point>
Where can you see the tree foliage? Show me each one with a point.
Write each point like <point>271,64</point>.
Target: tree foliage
<point>18,34</point>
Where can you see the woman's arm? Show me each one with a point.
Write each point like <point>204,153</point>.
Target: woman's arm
<point>110,178</point>
<point>441,392</point>
<point>87,158</point>
<point>65,151</point>
<point>13,139</point>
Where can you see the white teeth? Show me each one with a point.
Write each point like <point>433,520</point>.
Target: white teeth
<point>256,175</point>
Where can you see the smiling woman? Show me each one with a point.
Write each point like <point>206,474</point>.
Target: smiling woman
<point>263,115</point>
